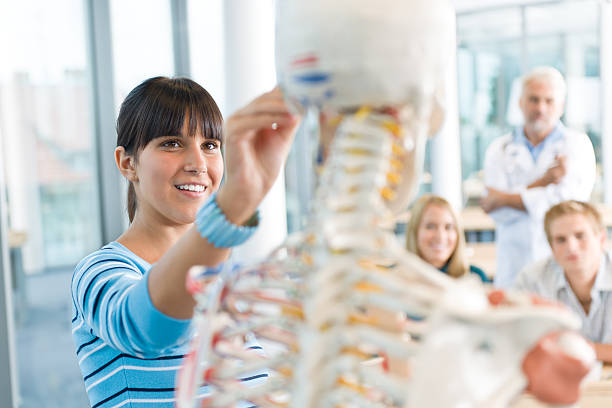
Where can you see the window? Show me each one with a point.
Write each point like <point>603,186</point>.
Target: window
<point>50,166</point>
<point>497,46</point>
<point>142,43</point>
<point>45,121</point>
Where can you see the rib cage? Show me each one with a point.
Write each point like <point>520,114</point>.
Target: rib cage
<point>339,304</point>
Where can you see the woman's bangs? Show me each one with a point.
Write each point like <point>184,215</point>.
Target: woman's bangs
<point>206,119</point>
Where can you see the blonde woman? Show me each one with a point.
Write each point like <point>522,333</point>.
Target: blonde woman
<point>436,236</point>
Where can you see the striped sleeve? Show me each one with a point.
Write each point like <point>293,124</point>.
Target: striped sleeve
<point>110,292</point>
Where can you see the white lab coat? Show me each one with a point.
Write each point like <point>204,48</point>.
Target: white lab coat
<point>509,166</point>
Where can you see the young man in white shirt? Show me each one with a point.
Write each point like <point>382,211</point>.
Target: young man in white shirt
<point>579,273</point>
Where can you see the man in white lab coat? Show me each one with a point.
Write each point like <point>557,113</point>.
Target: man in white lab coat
<point>531,169</point>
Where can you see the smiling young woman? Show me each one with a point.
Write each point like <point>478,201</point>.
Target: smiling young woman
<point>131,309</point>
<point>434,233</point>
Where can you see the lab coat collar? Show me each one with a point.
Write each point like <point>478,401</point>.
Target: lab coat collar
<point>520,137</point>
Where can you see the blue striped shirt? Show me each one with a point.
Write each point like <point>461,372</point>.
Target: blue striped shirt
<point>128,351</point>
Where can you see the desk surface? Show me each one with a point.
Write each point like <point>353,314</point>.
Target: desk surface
<point>596,394</point>
<point>16,239</point>
<point>475,219</point>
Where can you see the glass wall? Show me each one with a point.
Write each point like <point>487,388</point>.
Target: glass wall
<point>49,146</point>
<point>50,165</point>
<point>142,43</point>
<point>207,47</point>
<point>45,121</point>
<point>497,46</point>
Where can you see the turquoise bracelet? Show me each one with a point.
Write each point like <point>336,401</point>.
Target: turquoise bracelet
<point>216,229</point>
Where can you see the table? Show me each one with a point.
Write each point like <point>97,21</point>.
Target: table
<point>475,219</point>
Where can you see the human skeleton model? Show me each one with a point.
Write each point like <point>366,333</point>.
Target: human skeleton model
<point>328,301</point>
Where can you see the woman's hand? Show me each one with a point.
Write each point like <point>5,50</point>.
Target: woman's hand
<point>257,141</point>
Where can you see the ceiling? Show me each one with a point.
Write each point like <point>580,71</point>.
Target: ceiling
<point>472,5</point>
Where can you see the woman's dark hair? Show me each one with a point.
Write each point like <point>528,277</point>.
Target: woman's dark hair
<point>159,107</point>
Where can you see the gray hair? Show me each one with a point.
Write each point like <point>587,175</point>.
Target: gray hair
<point>548,74</point>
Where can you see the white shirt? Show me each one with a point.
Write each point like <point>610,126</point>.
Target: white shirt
<point>546,278</point>
<point>510,167</point>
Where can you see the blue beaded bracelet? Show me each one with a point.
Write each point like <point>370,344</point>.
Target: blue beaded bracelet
<point>216,229</point>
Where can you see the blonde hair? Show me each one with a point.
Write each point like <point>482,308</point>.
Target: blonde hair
<point>572,207</point>
<point>457,262</point>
